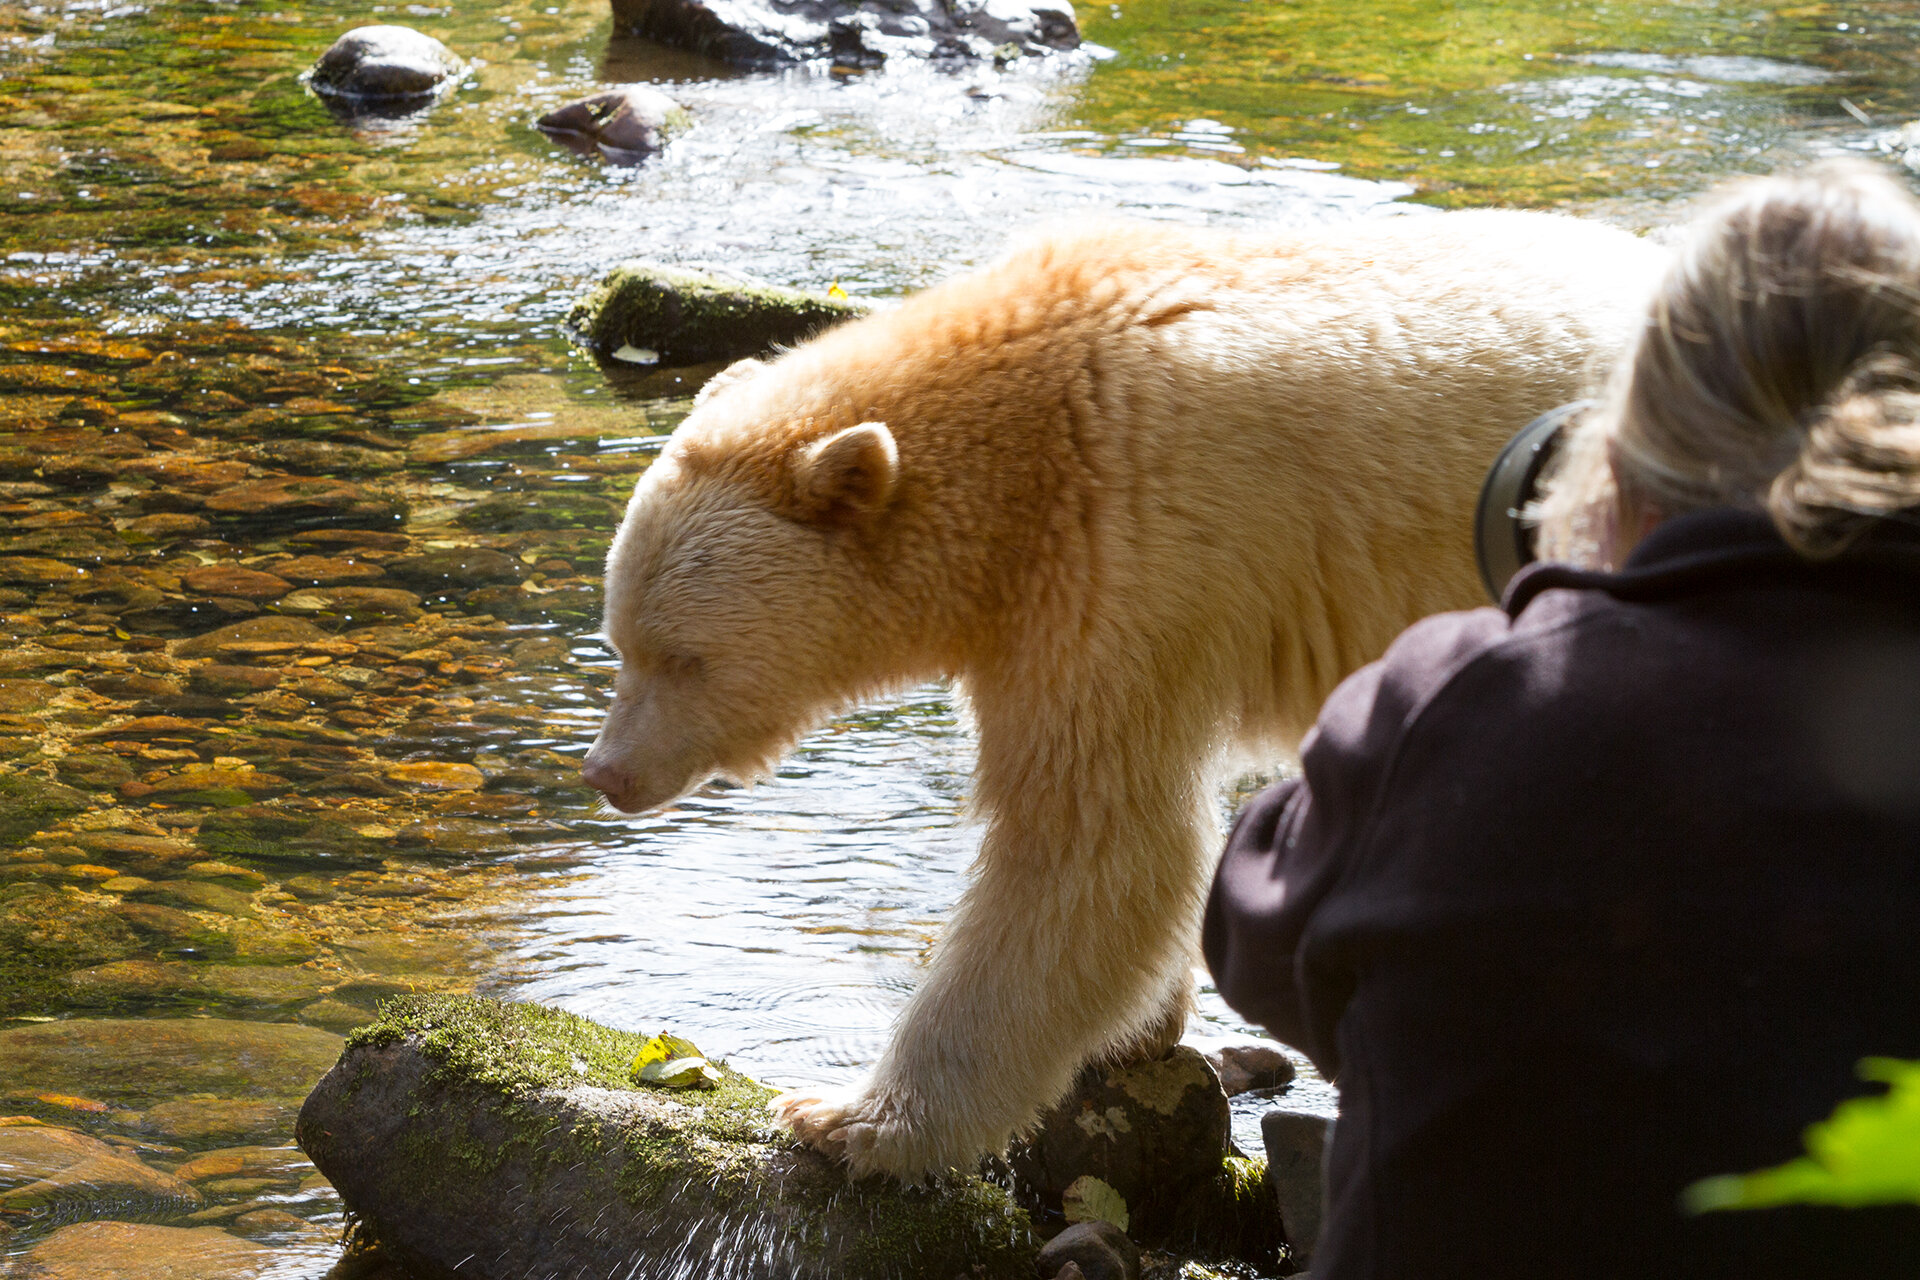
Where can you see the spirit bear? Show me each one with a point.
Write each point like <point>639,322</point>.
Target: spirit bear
<point>1145,494</point>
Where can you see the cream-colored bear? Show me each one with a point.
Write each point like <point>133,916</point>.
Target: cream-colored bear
<point>1146,494</point>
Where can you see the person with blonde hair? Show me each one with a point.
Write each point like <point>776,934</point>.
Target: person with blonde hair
<point>1608,890</point>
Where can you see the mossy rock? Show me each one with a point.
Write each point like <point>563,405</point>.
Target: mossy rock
<point>654,313</point>
<point>508,1140</point>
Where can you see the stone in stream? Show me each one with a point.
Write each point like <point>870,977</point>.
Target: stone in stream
<point>133,1062</point>
<point>45,1171</point>
<point>509,1140</point>
<point>1100,1250</point>
<point>647,313</point>
<point>385,63</point>
<point>139,1251</point>
<point>624,124</point>
<point>1157,1132</point>
<point>1296,1144</point>
<point>768,33</point>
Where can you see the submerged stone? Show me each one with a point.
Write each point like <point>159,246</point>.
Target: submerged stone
<point>134,1061</point>
<point>44,1170</point>
<point>644,312</point>
<point>508,1140</point>
<point>29,803</point>
<point>139,1251</point>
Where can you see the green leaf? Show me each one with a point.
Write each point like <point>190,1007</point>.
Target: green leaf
<point>1867,1152</point>
<point>673,1062</point>
<point>1087,1199</point>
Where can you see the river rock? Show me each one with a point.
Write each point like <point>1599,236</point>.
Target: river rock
<point>289,631</point>
<point>1100,1250</point>
<point>1157,1132</point>
<point>384,64</point>
<point>646,313</point>
<point>29,803</point>
<point>353,605</point>
<point>625,124</point>
<point>44,1170</point>
<point>133,1062</point>
<point>768,33</point>
<point>138,1251</point>
<point>304,499</point>
<point>509,1140</point>
<point>196,1122</point>
<point>233,580</point>
<point>456,567</point>
<point>1296,1144</point>
<point>1244,1066</point>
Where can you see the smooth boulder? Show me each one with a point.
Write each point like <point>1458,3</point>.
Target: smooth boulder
<point>646,313</point>
<point>480,1140</point>
<point>771,33</point>
<point>385,64</point>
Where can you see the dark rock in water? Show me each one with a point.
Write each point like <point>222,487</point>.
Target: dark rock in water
<point>1097,1250</point>
<point>483,1141</point>
<point>624,125</point>
<point>1296,1157</point>
<point>456,567</point>
<point>385,64</point>
<point>1245,1066</point>
<point>644,313</point>
<point>1156,1132</point>
<point>767,33</point>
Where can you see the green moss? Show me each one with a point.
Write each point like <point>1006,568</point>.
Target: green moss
<point>687,317</point>
<point>719,1143</point>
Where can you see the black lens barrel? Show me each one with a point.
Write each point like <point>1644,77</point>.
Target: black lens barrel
<point>1502,543</point>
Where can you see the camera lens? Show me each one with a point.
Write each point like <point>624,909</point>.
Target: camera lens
<point>1502,542</point>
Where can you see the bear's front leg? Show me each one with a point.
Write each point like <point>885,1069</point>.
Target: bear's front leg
<point>1054,956</point>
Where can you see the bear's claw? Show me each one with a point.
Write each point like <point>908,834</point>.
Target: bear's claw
<point>836,1124</point>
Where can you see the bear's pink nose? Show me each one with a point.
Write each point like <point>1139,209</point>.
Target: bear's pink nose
<point>603,776</point>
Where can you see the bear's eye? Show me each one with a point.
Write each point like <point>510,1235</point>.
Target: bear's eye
<point>680,666</point>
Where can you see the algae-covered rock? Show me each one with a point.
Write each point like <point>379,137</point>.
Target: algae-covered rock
<point>647,313</point>
<point>1157,1132</point>
<point>507,1140</point>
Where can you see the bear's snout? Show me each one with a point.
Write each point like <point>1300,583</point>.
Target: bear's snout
<point>609,779</point>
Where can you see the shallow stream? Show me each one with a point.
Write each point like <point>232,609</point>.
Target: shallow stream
<point>261,367</point>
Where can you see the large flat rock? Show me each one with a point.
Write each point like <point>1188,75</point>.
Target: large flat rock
<point>484,1141</point>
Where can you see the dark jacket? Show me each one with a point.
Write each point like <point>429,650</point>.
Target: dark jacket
<point>1588,898</point>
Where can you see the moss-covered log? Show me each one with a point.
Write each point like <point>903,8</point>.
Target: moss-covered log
<point>475,1139</point>
<point>645,313</point>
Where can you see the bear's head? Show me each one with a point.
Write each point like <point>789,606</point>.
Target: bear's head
<point>747,595</point>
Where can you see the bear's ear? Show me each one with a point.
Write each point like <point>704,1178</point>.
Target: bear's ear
<point>738,371</point>
<point>846,477</point>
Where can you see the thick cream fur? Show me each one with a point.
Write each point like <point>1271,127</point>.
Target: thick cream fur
<point>1146,494</point>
